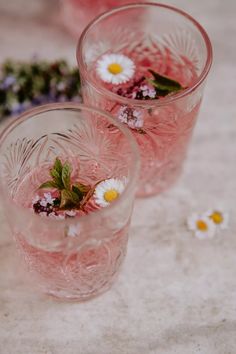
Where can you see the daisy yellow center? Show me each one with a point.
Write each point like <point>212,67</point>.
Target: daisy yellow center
<point>216,217</point>
<point>111,195</point>
<point>201,225</point>
<point>115,68</point>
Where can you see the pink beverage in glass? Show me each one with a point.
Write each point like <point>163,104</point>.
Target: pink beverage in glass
<point>74,252</point>
<point>76,14</point>
<point>115,55</point>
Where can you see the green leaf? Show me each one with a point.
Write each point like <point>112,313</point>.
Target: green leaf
<point>48,184</point>
<point>58,166</point>
<point>66,173</point>
<point>57,178</point>
<point>78,192</point>
<point>83,188</point>
<point>163,84</point>
<point>68,199</point>
<point>56,173</point>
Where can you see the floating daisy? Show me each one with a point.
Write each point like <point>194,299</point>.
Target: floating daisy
<point>219,217</point>
<point>202,226</point>
<point>115,68</point>
<point>108,191</point>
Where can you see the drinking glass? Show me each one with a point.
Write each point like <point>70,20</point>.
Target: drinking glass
<point>172,43</point>
<point>75,257</point>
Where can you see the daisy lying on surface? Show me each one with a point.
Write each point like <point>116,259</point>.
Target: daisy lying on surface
<point>205,226</point>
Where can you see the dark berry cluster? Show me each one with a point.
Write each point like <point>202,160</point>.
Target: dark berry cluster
<point>131,90</point>
<point>47,208</point>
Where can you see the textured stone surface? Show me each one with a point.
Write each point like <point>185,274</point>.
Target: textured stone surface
<point>175,295</point>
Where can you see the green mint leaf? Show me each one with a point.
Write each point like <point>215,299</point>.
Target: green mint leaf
<point>57,178</point>
<point>48,184</point>
<point>78,192</point>
<point>66,173</point>
<point>83,188</point>
<point>58,166</point>
<point>163,84</point>
<point>69,199</point>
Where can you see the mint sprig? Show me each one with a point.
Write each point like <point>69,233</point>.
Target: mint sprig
<point>71,196</point>
<point>163,84</point>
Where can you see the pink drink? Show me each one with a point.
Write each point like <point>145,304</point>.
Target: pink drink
<point>73,231</point>
<point>154,37</point>
<point>166,131</point>
<point>85,270</point>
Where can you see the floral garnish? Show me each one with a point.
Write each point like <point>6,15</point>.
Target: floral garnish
<point>27,84</point>
<point>219,218</point>
<point>70,196</point>
<point>108,191</point>
<point>45,205</point>
<point>133,118</point>
<point>202,226</point>
<point>115,68</point>
<point>145,92</point>
<point>163,84</point>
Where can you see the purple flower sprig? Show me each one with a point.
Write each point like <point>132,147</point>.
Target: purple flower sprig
<point>24,85</point>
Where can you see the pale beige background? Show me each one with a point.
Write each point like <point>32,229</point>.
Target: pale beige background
<point>176,294</point>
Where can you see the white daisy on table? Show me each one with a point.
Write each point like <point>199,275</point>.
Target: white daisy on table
<point>202,226</point>
<point>107,191</point>
<point>219,217</point>
<point>115,68</point>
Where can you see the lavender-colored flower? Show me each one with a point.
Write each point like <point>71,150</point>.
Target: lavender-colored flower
<point>148,91</point>
<point>16,108</point>
<point>144,92</point>
<point>8,81</point>
<point>44,205</point>
<point>49,199</point>
<point>133,118</point>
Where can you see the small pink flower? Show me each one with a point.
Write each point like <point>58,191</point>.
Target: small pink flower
<point>133,118</point>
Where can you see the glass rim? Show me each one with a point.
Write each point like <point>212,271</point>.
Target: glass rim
<point>132,182</point>
<point>153,102</point>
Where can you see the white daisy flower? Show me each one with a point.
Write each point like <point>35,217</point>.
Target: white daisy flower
<point>131,117</point>
<point>219,217</point>
<point>108,191</point>
<point>202,226</point>
<point>115,68</point>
